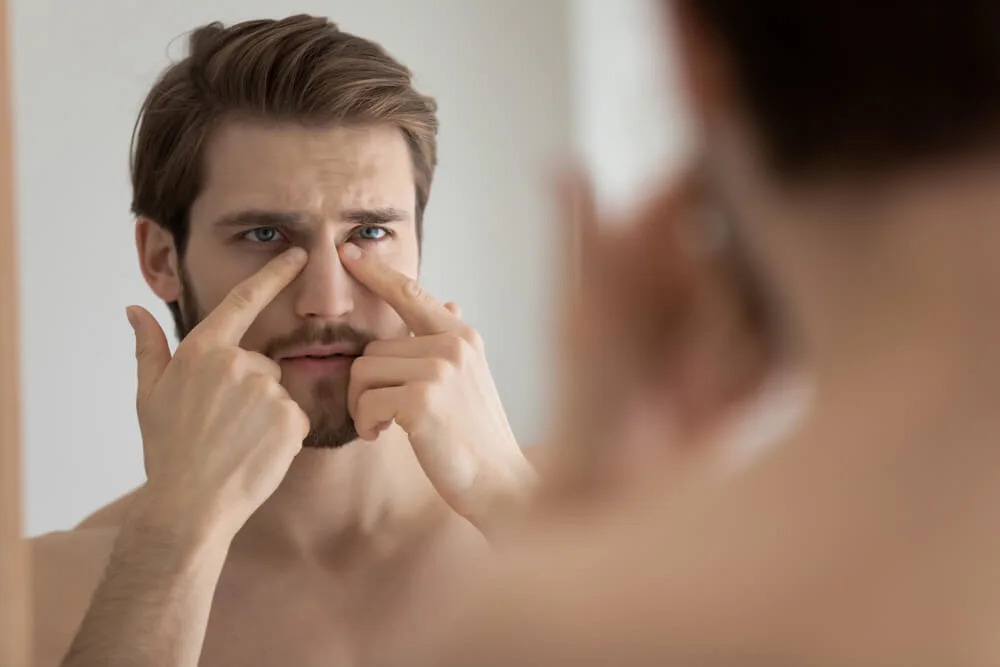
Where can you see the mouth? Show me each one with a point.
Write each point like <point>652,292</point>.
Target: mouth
<point>321,352</point>
<point>319,364</point>
<point>321,360</point>
<point>335,355</point>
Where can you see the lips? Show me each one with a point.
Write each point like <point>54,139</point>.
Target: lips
<point>321,352</point>
<point>320,358</point>
<point>318,364</point>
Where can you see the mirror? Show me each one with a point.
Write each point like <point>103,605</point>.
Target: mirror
<point>517,85</point>
<point>506,123</point>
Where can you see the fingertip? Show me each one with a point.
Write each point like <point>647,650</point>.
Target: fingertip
<point>138,318</point>
<point>351,251</point>
<point>132,316</point>
<point>295,255</point>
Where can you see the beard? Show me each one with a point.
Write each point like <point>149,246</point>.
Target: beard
<point>331,424</point>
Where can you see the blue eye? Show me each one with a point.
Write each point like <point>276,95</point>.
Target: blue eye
<point>372,233</point>
<point>263,235</point>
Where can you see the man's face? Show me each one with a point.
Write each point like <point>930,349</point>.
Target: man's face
<point>268,187</point>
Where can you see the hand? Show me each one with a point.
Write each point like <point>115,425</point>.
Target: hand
<point>219,431</point>
<point>662,334</point>
<point>438,388</point>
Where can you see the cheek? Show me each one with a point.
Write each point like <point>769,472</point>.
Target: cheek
<point>213,273</point>
<point>401,253</point>
<point>384,321</point>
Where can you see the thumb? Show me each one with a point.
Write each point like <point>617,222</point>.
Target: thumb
<point>152,352</point>
<point>453,309</point>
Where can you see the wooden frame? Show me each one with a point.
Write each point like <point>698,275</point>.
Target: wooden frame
<point>14,585</point>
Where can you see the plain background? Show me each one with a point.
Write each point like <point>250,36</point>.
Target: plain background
<point>521,85</point>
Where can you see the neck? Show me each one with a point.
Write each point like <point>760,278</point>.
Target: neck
<point>368,497</point>
<point>894,279</point>
<point>914,293</point>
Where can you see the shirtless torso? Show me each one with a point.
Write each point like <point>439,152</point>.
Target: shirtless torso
<point>268,609</point>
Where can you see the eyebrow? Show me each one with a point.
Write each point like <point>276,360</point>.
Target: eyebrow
<point>374,216</point>
<point>266,218</point>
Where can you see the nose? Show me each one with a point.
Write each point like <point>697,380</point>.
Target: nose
<point>325,288</point>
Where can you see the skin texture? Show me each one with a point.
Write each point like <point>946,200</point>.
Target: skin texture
<point>867,536</point>
<point>313,553</point>
<point>358,541</point>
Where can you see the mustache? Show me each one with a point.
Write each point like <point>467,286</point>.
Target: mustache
<point>357,339</point>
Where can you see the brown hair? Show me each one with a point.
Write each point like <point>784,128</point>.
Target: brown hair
<point>301,69</point>
<point>862,87</point>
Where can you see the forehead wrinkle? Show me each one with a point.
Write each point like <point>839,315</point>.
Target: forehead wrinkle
<point>322,172</point>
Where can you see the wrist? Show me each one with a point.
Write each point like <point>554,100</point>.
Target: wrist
<point>181,527</point>
<point>510,493</point>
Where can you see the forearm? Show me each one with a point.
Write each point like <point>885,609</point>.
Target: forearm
<point>508,499</point>
<point>153,604</point>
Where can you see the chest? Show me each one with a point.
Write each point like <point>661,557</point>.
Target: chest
<point>278,618</point>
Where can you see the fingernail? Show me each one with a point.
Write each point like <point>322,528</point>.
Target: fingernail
<point>352,251</point>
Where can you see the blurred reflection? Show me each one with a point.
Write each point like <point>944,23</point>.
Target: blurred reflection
<point>852,148</point>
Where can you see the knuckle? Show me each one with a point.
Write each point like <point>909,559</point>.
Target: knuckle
<point>191,349</point>
<point>411,289</point>
<point>226,360</point>
<point>423,394</point>
<point>271,368</point>
<point>262,385</point>
<point>287,409</point>
<point>471,336</point>
<point>243,296</point>
<point>455,349</point>
<point>297,419</point>
<point>440,369</point>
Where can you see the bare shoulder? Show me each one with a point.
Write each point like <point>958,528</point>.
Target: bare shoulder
<point>111,515</point>
<point>538,455</point>
<point>66,569</point>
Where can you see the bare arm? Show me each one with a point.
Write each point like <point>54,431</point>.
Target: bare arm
<point>219,433</point>
<point>153,604</point>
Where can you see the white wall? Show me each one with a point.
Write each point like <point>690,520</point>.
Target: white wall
<point>632,128</point>
<point>630,124</point>
<point>500,70</point>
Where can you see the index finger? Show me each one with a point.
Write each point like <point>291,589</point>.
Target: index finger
<point>422,313</point>
<point>229,321</point>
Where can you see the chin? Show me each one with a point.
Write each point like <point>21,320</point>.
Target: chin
<point>326,405</point>
<point>331,436</point>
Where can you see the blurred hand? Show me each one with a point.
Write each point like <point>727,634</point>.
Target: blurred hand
<point>660,336</point>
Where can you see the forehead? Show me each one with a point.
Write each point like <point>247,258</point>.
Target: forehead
<point>291,167</point>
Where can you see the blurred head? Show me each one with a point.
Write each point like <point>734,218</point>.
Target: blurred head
<point>820,119</point>
<point>274,133</point>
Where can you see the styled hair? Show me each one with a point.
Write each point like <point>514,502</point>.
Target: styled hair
<point>300,69</point>
<point>860,85</point>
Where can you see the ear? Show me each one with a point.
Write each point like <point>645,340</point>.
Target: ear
<point>703,65</point>
<point>158,259</point>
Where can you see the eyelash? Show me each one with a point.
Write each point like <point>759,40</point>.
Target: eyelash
<point>387,234</point>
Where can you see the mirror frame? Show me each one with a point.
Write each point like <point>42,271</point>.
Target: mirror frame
<point>14,563</point>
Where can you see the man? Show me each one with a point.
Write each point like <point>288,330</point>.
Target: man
<point>855,150</point>
<point>326,446</point>
<point>327,438</point>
